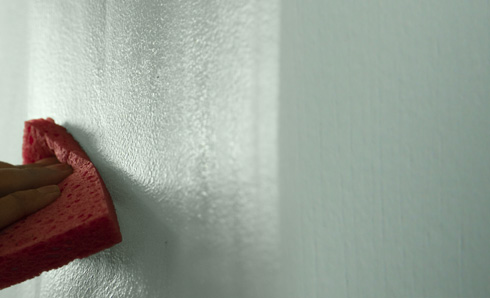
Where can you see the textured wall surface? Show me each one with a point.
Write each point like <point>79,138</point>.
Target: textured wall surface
<point>175,102</point>
<point>359,167</point>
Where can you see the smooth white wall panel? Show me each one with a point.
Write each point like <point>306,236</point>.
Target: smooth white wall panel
<point>14,49</point>
<point>384,148</point>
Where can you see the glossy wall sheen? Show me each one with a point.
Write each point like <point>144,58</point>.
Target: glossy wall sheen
<point>176,104</point>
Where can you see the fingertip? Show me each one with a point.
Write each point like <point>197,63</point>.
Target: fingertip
<point>47,161</point>
<point>22,203</point>
<point>48,199</point>
<point>64,169</point>
<point>41,163</point>
<point>49,189</point>
<point>48,194</point>
<point>60,167</point>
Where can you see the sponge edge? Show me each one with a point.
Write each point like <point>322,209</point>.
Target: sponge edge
<point>81,222</point>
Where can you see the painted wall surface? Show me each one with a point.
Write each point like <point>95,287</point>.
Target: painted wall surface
<point>176,104</point>
<point>384,148</point>
<point>13,77</point>
<point>316,149</point>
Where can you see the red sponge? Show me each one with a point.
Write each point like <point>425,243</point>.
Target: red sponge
<point>79,223</point>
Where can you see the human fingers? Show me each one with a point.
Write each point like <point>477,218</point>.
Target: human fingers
<point>17,205</point>
<point>5,165</point>
<point>40,163</point>
<point>15,179</point>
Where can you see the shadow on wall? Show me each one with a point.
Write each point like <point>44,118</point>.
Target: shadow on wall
<point>137,266</point>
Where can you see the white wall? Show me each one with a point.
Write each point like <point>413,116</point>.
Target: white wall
<point>350,153</point>
<point>13,77</point>
<point>385,148</point>
<point>176,103</point>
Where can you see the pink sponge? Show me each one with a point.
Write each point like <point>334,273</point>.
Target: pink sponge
<point>79,223</point>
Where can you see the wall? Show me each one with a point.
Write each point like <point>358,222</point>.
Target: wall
<point>13,77</point>
<point>176,104</point>
<point>385,139</point>
<point>344,156</point>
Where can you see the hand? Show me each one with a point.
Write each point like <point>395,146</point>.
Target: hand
<point>26,189</point>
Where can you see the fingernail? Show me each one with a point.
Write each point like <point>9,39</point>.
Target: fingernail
<point>48,189</point>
